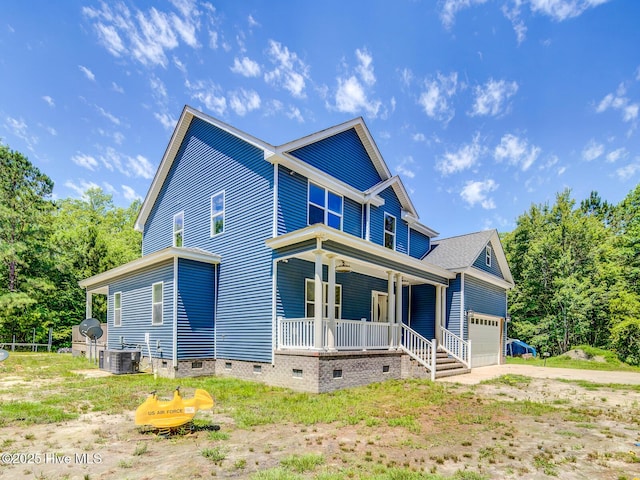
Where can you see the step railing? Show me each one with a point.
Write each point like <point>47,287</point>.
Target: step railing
<point>419,348</point>
<point>455,346</point>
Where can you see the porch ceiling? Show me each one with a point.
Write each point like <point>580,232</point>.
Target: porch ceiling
<point>362,256</point>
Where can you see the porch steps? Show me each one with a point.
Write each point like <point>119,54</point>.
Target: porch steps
<point>447,366</point>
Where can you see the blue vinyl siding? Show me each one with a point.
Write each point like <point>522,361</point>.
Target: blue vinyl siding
<point>483,297</point>
<point>393,207</point>
<point>136,304</point>
<point>454,302</point>
<point>352,220</point>
<point>209,161</point>
<point>423,310</point>
<point>196,306</point>
<point>419,244</point>
<point>481,263</point>
<point>342,156</point>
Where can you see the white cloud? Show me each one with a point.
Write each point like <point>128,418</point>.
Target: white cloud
<point>49,100</point>
<point>112,118</point>
<point>87,73</point>
<point>158,90</point>
<point>116,88</point>
<point>81,188</point>
<point>354,91</point>
<point>50,130</point>
<point>418,137</point>
<point>464,158</point>
<point>140,167</point>
<point>592,150</point>
<point>85,161</point>
<point>406,75</point>
<point>294,114</point>
<point>167,121</point>
<point>477,192</point>
<point>628,171</point>
<point>450,8</point>
<point>616,155</point>
<point>246,67</point>
<point>289,73</point>
<point>561,10</point>
<point>491,99</point>
<point>435,99</point>
<point>516,151</point>
<point>619,101</point>
<point>209,94</point>
<point>20,129</point>
<point>513,15</point>
<point>405,167</point>
<point>129,193</point>
<point>253,22</point>
<point>365,67</point>
<point>243,101</point>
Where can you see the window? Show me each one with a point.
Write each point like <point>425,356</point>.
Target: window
<point>157,301</point>
<point>389,231</point>
<point>324,207</point>
<point>117,309</point>
<point>310,295</point>
<point>178,229</point>
<point>487,253</point>
<point>217,214</point>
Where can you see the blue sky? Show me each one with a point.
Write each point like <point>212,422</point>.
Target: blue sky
<point>482,107</point>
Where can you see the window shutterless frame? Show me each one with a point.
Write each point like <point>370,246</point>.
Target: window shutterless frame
<point>117,309</point>
<point>390,225</point>
<point>217,213</point>
<point>157,303</point>
<point>487,253</point>
<point>178,229</point>
<point>324,206</point>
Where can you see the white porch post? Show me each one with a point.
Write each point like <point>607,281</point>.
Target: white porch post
<point>438,313</point>
<point>398,316</point>
<point>391,307</point>
<point>89,311</point>
<point>318,303</point>
<point>331,304</point>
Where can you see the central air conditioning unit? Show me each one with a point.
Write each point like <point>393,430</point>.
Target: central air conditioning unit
<point>121,361</point>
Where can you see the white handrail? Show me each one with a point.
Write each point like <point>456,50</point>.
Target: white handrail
<point>419,348</point>
<point>455,346</point>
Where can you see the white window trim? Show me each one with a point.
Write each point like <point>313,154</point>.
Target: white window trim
<point>325,209</point>
<point>153,304</point>
<point>385,231</point>
<point>325,299</point>
<point>219,214</point>
<point>177,231</point>
<point>119,310</point>
<point>487,255</point>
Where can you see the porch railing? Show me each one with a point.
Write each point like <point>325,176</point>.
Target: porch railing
<point>455,346</point>
<point>420,349</point>
<point>298,333</point>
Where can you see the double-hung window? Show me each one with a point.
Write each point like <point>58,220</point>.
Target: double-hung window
<point>487,253</point>
<point>389,231</point>
<point>310,296</point>
<point>217,213</point>
<point>157,302</point>
<point>324,207</point>
<point>117,309</point>
<point>178,229</point>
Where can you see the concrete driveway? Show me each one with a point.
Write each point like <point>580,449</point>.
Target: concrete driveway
<point>479,374</point>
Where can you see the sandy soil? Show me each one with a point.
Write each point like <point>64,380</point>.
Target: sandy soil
<point>592,434</point>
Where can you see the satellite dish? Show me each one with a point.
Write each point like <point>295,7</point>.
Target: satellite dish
<point>3,355</point>
<point>85,325</point>
<point>94,332</point>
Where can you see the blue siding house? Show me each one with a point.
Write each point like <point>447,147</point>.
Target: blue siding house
<point>303,265</point>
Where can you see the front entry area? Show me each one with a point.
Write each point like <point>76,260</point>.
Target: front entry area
<point>485,333</point>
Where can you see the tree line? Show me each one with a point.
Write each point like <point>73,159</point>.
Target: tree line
<point>576,266</point>
<point>47,246</point>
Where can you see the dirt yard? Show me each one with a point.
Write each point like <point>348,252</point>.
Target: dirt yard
<point>513,427</point>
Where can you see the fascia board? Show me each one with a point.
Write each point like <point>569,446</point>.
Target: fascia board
<point>489,278</point>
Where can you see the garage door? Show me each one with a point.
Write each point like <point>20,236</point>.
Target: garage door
<point>484,333</point>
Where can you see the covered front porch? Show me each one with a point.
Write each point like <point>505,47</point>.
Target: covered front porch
<point>334,292</point>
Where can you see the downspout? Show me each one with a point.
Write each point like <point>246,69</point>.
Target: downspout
<point>367,221</point>
<point>275,200</point>
<point>274,312</point>
<point>215,310</point>
<point>463,308</point>
<point>175,314</point>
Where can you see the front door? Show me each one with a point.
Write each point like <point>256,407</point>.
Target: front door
<point>379,307</point>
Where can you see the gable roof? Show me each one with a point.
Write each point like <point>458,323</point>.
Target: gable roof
<point>459,253</point>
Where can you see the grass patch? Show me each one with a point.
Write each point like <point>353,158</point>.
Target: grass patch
<point>302,463</point>
<point>510,379</point>
<point>32,412</point>
<point>610,363</point>
<point>215,454</point>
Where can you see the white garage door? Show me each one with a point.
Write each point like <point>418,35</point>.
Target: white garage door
<point>484,333</point>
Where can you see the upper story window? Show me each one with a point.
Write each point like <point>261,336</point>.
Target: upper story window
<point>389,231</point>
<point>178,229</point>
<point>117,309</point>
<point>487,253</point>
<point>217,213</point>
<point>157,301</point>
<point>324,207</point>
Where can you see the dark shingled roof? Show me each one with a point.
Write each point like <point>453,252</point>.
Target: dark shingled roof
<point>458,252</point>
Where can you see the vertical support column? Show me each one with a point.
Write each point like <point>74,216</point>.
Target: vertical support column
<point>438,313</point>
<point>318,303</point>
<point>331,304</point>
<point>88,307</point>
<point>398,317</point>
<point>391,307</point>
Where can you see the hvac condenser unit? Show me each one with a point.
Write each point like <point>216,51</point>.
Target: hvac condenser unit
<point>122,361</point>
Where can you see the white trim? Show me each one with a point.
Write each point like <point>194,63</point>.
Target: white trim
<point>374,301</point>
<point>114,309</point>
<point>276,188</point>
<point>149,260</point>
<point>274,310</point>
<point>175,313</point>
<point>385,231</point>
<point>215,311</point>
<point>488,277</point>
<point>326,210</point>
<point>323,232</point>
<point>487,255</point>
<point>154,303</point>
<point>218,214</point>
<point>463,308</point>
<point>368,222</point>
<point>173,239</point>
<point>325,301</point>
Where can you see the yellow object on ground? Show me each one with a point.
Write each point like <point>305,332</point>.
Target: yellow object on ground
<point>172,413</point>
